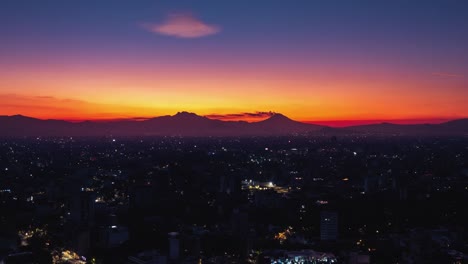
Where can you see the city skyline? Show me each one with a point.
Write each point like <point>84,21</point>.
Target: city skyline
<point>208,131</point>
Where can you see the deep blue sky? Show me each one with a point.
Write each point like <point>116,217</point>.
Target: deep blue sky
<point>439,28</point>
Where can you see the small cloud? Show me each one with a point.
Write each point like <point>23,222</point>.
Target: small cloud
<point>446,74</point>
<point>119,119</point>
<point>242,116</point>
<point>183,25</point>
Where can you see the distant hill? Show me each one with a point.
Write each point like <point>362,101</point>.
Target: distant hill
<point>280,124</point>
<point>190,124</point>
<point>455,127</point>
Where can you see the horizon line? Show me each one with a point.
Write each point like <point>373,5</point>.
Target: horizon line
<point>330,123</point>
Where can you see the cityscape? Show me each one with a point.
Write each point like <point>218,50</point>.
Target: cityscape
<point>366,198</point>
<point>190,132</point>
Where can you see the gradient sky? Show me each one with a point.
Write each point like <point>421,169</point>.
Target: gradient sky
<point>310,60</point>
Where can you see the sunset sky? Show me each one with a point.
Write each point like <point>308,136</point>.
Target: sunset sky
<point>324,61</point>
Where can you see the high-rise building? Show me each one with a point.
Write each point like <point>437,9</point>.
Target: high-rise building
<point>328,225</point>
<point>174,246</point>
<point>82,208</point>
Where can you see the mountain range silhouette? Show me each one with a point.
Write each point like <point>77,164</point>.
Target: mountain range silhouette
<point>191,124</point>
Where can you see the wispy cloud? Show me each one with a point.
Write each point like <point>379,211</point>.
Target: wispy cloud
<point>242,116</point>
<point>183,25</point>
<point>446,74</point>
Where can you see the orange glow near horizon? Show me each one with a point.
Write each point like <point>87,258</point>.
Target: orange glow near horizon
<point>303,92</point>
